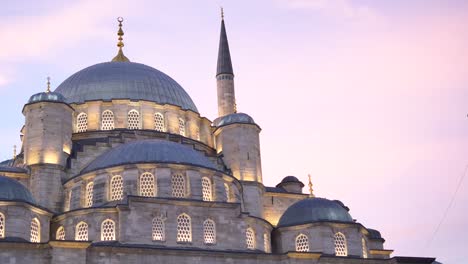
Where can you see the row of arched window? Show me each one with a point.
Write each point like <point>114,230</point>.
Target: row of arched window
<point>339,240</point>
<point>35,229</point>
<point>133,122</point>
<point>81,231</point>
<point>148,187</point>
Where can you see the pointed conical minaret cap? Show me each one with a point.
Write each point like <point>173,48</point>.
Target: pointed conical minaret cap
<point>224,65</point>
<point>120,56</point>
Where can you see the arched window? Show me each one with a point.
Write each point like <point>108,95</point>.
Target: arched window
<point>107,120</point>
<point>147,185</point>
<point>209,231</point>
<point>89,194</point>
<point>60,234</point>
<point>267,242</point>
<point>250,238</point>
<point>133,119</point>
<point>178,185</point>
<point>2,225</point>
<point>364,248</point>
<point>158,229</point>
<point>206,189</point>
<point>159,122</point>
<point>197,134</point>
<point>181,127</point>
<point>35,230</point>
<point>108,230</point>
<point>81,231</point>
<point>184,228</point>
<point>302,243</point>
<point>68,201</point>
<point>116,188</point>
<point>228,192</point>
<point>82,122</point>
<point>341,249</point>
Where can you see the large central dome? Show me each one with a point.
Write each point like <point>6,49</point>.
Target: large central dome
<point>124,80</point>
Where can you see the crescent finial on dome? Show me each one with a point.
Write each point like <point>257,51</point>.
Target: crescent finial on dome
<point>120,56</point>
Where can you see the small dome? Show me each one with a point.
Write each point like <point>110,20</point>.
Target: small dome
<point>233,118</point>
<point>13,190</point>
<point>150,151</point>
<point>374,234</point>
<point>124,80</point>
<point>47,97</point>
<point>314,210</point>
<point>290,179</point>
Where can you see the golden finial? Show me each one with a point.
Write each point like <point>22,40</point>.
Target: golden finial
<point>311,191</point>
<point>120,56</point>
<point>222,13</point>
<point>48,85</point>
<point>14,151</point>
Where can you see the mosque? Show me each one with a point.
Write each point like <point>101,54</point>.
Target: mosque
<point>118,166</point>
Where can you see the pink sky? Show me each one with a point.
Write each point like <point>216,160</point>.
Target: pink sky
<point>370,98</point>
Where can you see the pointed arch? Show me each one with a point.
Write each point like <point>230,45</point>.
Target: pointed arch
<point>81,231</point>
<point>250,238</point>
<point>89,194</point>
<point>60,234</point>
<point>209,232</point>
<point>107,120</point>
<point>158,229</point>
<point>184,228</point>
<point>179,185</point>
<point>116,188</point>
<point>35,230</point>
<point>341,248</point>
<point>207,192</point>
<point>364,248</point>
<point>159,122</point>
<point>302,243</point>
<point>147,185</point>
<point>133,119</point>
<point>108,230</point>
<point>81,122</point>
<point>181,127</point>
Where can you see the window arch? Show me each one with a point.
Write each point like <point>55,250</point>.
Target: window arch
<point>207,189</point>
<point>35,230</point>
<point>159,122</point>
<point>147,185</point>
<point>60,234</point>
<point>302,243</point>
<point>267,242</point>
<point>82,122</point>
<point>250,238</point>
<point>181,127</point>
<point>158,229</point>
<point>116,188</point>
<point>341,249</point>
<point>108,230</point>
<point>89,194</point>
<point>133,119</point>
<point>228,192</point>
<point>184,228</point>
<point>68,201</point>
<point>2,225</point>
<point>107,120</point>
<point>178,186</point>
<point>364,248</point>
<point>209,231</point>
<point>81,231</point>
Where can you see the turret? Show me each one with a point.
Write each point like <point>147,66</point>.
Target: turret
<point>47,145</point>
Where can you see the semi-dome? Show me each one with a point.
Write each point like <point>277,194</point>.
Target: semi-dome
<point>314,210</point>
<point>124,80</point>
<point>150,151</point>
<point>232,119</point>
<point>13,190</point>
<point>47,97</point>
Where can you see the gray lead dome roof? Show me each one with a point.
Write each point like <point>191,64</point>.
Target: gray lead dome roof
<point>124,80</point>
<point>314,210</point>
<point>150,151</point>
<point>13,190</point>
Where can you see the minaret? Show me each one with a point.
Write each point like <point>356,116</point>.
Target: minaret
<point>225,75</point>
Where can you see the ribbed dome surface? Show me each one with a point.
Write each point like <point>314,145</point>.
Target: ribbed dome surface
<point>11,189</point>
<point>314,210</point>
<point>124,80</point>
<point>232,119</point>
<point>47,97</point>
<point>150,151</point>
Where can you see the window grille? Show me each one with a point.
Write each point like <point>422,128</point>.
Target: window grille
<point>181,127</point>
<point>228,192</point>
<point>158,229</point>
<point>81,232</point>
<point>133,119</point>
<point>209,231</point>
<point>159,122</point>
<point>267,242</point>
<point>206,189</point>
<point>184,228</point>
<point>107,120</point>
<point>60,235</point>
<point>147,185</point>
<point>2,225</point>
<point>364,248</point>
<point>89,194</point>
<point>116,188</point>
<point>35,230</point>
<point>341,248</point>
<point>108,230</point>
<point>302,243</point>
<point>82,122</point>
<point>250,238</point>
<point>178,185</point>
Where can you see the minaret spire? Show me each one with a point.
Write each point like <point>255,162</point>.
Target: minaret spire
<point>120,56</point>
<point>48,85</point>
<point>225,75</point>
<point>311,191</point>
